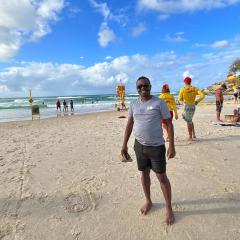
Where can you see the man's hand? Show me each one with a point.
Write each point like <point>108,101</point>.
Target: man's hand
<point>171,152</point>
<point>196,102</point>
<point>124,150</point>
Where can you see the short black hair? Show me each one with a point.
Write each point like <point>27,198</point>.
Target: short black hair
<point>224,85</point>
<point>143,78</point>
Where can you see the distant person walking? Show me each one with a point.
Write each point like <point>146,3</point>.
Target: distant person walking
<point>65,107</point>
<point>71,105</point>
<point>58,105</point>
<point>171,103</point>
<point>188,96</point>
<point>144,118</point>
<point>219,100</point>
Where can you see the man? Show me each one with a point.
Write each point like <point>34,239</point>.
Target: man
<point>188,96</point>
<point>71,105</point>
<point>58,105</point>
<point>219,100</point>
<point>145,117</point>
<point>171,103</point>
<point>64,105</point>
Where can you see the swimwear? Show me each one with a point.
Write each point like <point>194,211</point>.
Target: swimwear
<point>219,105</point>
<point>188,112</point>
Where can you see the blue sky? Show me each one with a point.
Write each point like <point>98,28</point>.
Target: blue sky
<point>73,47</point>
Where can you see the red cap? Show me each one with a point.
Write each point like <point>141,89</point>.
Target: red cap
<point>187,80</point>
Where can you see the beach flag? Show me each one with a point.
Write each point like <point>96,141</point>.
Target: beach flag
<point>30,97</point>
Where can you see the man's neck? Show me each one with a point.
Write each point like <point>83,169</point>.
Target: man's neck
<point>145,99</point>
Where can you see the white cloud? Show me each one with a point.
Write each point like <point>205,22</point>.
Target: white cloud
<point>220,44</point>
<point>138,30</point>
<point>73,11</point>
<point>105,35</point>
<point>199,45</point>
<point>187,74</point>
<point>177,37</point>
<point>108,57</point>
<point>102,8</point>
<point>16,29</point>
<point>176,6</point>
<point>53,79</point>
<point>216,44</point>
<point>4,89</point>
<point>163,17</point>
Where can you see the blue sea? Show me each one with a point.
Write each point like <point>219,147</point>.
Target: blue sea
<point>17,109</point>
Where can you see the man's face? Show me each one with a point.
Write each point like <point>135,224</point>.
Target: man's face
<point>143,87</point>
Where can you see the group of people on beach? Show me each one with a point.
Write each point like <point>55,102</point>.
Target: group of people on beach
<point>147,117</point>
<point>65,105</point>
<point>219,102</point>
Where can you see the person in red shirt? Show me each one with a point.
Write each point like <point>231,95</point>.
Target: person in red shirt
<point>58,105</point>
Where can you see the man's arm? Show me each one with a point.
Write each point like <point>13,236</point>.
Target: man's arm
<point>201,97</point>
<point>174,107</point>
<point>180,96</point>
<point>127,135</point>
<point>171,148</point>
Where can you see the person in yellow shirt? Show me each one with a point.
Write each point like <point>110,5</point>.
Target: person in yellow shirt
<point>171,103</point>
<point>235,92</point>
<point>188,95</point>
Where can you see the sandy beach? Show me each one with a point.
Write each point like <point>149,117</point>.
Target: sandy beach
<point>61,179</point>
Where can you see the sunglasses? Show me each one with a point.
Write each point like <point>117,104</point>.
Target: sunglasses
<point>143,85</point>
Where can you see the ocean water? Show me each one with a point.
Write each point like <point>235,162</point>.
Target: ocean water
<point>17,109</point>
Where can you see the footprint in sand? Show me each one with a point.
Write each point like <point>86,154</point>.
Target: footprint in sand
<point>2,162</point>
<point>5,231</point>
<point>229,189</point>
<point>178,207</point>
<point>79,202</point>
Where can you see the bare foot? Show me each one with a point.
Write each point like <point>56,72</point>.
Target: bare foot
<point>190,139</point>
<point>194,137</point>
<point>170,217</point>
<point>146,207</point>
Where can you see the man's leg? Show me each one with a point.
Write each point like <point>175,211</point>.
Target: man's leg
<point>190,131</point>
<point>146,182</point>
<point>218,110</point>
<point>218,116</point>
<point>193,131</point>
<point>166,189</point>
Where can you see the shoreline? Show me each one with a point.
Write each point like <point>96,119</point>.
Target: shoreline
<point>20,112</point>
<point>77,113</point>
